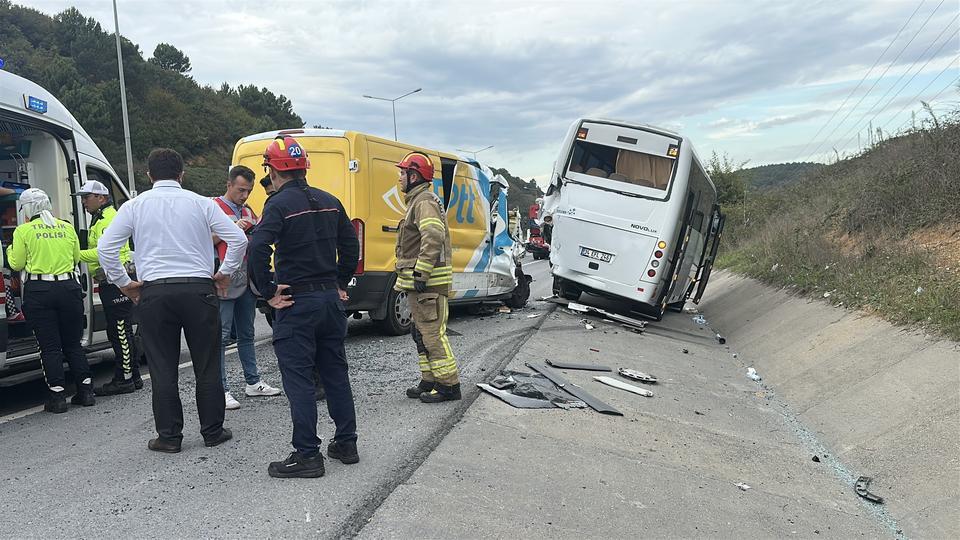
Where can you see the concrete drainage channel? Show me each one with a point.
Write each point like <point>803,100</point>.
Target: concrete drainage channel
<point>820,453</point>
<point>362,515</point>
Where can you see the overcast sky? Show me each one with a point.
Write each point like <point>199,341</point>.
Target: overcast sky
<point>754,79</point>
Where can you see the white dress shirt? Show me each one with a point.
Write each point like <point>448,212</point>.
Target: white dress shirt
<point>171,229</point>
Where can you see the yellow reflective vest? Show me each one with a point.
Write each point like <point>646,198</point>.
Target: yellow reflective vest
<point>41,249</point>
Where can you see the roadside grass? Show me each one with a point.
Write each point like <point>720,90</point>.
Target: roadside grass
<point>848,235</point>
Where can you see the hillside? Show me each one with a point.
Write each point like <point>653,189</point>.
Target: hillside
<point>523,193</point>
<point>779,174</point>
<point>74,58</point>
<point>879,231</point>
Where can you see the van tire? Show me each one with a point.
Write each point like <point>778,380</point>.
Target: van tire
<point>398,320</point>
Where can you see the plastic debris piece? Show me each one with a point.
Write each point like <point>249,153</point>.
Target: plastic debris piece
<point>570,365</point>
<point>742,486</point>
<point>574,306</point>
<point>691,310</point>
<point>826,295</point>
<point>609,381</point>
<point>504,309</point>
<point>752,374</point>
<point>686,351</point>
<point>862,488</point>
<point>721,339</point>
<point>637,375</point>
<point>816,459</point>
<point>588,326</point>
<point>533,316</point>
<point>594,350</point>
<point>700,319</point>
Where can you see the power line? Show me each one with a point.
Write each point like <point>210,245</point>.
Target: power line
<point>859,124</point>
<point>914,98</point>
<point>865,75</point>
<point>877,81</point>
<point>935,96</point>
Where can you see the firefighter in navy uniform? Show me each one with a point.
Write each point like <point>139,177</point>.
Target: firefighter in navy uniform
<point>425,271</point>
<point>316,255</point>
<point>48,250</point>
<point>117,308</point>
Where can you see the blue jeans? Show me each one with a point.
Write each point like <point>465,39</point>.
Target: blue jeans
<point>306,335</point>
<point>240,312</point>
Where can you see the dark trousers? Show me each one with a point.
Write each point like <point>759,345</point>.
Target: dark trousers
<point>54,310</point>
<point>306,335</point>
<point>166,309</point>
<point>118,310</point>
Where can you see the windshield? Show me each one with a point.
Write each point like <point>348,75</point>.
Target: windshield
<point>621,165</point>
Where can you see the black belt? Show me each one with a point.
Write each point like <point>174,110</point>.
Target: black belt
<point>179,281</point>
<point>310,286</point>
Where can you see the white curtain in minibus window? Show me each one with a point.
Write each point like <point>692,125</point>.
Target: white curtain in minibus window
<point>621,165</point>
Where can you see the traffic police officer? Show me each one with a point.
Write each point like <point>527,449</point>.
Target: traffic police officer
<point>48,249</point>
<point>316,255</point>
<point>117,308</point>
<point>425,271</point>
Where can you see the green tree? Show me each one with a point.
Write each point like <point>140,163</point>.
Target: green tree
<point>169,57</point>
<point>729,178</point>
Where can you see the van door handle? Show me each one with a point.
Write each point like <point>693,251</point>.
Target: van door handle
<point>387,228</point>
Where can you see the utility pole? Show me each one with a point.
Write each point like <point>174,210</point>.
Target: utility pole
<point>123,106</point>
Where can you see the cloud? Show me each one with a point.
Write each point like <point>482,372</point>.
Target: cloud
<point>516,75</point>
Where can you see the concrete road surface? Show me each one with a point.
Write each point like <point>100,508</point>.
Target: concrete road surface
<point>88,473</point>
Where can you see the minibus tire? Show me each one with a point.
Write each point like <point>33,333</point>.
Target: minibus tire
<point>565,289</point>
<point>395,323</point>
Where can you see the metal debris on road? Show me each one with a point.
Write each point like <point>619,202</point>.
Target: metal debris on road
<point>637,375</point>
<point>742,486</point>
<point>862,488</point>
<point>575,390</point>
<point>610,381</point>
<point>533,316</point>
<point>529,391</point>
<point>594,350</point>
<point>752,374</point>
<point>586,367</point>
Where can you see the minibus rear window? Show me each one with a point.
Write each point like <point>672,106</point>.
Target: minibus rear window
<point>621,165</point>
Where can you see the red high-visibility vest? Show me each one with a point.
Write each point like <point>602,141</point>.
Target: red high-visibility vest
<point>245,213</point>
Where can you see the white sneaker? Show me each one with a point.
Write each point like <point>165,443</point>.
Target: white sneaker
<point>261,389</point>
<point>232,404</point>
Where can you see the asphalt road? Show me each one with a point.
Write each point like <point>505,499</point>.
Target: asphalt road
<point>88,473</point>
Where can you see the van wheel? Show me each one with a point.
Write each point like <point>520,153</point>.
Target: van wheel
<point>398,320</point>
<point>565,289</point>
<point>521,293</point>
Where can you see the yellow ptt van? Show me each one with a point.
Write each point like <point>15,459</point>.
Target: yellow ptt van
<point>360,170</point>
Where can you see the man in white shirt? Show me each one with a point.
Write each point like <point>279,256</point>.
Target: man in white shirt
<point>174,257</point>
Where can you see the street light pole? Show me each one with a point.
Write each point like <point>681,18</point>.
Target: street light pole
<point>393,104</point>
<point>474,152</point>
<point>123,107</point>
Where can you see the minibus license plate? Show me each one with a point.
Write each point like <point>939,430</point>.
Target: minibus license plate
<point>594,254</point>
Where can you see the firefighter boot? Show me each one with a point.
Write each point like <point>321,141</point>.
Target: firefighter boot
<point>84,395</point>
<point>423,386</point>
<point>440,393</point>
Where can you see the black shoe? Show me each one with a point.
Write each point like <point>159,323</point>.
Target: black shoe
<point>441,393</point>
<point>297,466</point>
<point>137,382</point>
<point>160,445</point>
<point>345,451</point>
<point>56,403</point>
<point>225,435</point>
<point>84,395</point>
<point>115,387</point>
<point>420,388</point>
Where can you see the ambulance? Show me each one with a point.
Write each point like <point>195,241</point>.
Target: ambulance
<point>43,146</point>
<point>360,170</point>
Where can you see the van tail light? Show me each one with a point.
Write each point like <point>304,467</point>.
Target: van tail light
<point>358,226</point>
